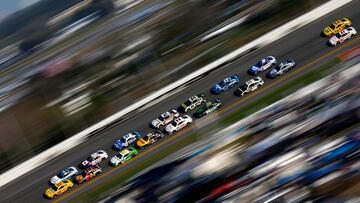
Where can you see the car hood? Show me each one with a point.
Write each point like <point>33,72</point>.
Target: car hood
<point>327,30</point>
<point>333,39</point>
<point>55,180</point>
<point>155,122</point>
<point>273,72</point>
<point>119,144</point>
<point>115,159</point>
<point>217,87</point>
<point>49,191</point>
<point>140,142</point>
<point>254,68</point>
<point>169,128</point>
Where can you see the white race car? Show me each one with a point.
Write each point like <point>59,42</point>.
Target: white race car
<point>95,158</point>
<point>342,36</point>
<point>165,118</point>
<point>282,68</point>
<point>262,65</point>
<point>65,174</point>
<point>177,124</point>
<point>249,86</point>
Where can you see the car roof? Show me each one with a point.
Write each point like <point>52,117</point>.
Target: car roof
<point>128,135</point>
<point>124,152</point>
<point>165,114</point>
<point>178,119</point>
<point>59,184</point>
<point>249,82</point>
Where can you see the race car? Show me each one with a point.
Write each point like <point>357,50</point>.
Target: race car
<point>123,156</point>
<point>178,124</point>
<point>342,36</point>
<point>209,107</point>
<point>225,84</point>
<point>149,139</point>
<point>336,27</point>
<point>249,86</point>
<point>95,158</point>
<point>59,188</point>
<point>164,118</point>
<point>193,102</point>
<point>126,140</point>
<point>262,65</point>
<point>88,174</point>
<point>65,174</point>
<point>282,68</point>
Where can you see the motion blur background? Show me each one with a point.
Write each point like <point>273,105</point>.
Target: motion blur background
<point>65,65</point>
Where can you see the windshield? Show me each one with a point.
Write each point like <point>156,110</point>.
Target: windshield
<point>222,83</point>
<point>279,67</point>
<point>119,156</point>
<point>187,103</point>
<point>173,123</point>
<point>259,64</point>
<point>161,118</point>
<point>62,174</point>
<point>146,138</point>
<point>243,87</point>
<point>53,187</point>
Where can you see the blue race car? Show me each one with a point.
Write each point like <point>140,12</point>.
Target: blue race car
<point>262,65</point>
<point>225,84</point>
<point>126,140</point>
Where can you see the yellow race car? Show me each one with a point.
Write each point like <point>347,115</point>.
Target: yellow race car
<point>149,139</point>
<point>58,188</point>
<point>336,27</point>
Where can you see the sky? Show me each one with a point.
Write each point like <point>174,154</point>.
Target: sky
<point>9,6</point>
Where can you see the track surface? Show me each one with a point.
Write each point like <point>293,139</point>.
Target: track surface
<point>305,46</point>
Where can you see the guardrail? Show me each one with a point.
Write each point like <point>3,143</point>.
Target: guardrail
<point>81,137</point>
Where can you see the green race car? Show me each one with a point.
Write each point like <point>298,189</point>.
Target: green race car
<point>123,156</point>
<point>209,107</point>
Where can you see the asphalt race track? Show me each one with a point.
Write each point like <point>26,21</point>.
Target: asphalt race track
<point>305,46</point>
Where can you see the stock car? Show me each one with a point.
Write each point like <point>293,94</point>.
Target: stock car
<point>95,158</point>
<point>336,27</point>
<point>149,139</point>
<point>59,188</point>
<point>65,174</point>
<point>225,84</point>
<point>88,174</point>
<point>193,102</point>
<point>342,36</point>
<point>164,118</point>
<point>250,86</point>
<point>126,140</point>
<point>209,107</point>
<point>282,68</point>
<point>123,156</point>
<point>262,65</point>
<point>178,124</point>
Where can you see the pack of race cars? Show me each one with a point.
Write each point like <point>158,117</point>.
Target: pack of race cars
<point>339,31</point>
<point>172,121</point>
